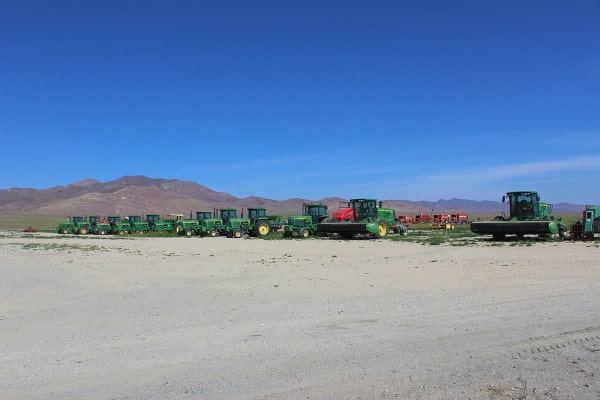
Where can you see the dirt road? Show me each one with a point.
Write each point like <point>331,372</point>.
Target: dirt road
<point>217,318</point>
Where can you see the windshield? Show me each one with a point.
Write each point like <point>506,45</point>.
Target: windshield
<point>524,205</point>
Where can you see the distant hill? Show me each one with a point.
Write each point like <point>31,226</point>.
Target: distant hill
<point>142,195</point>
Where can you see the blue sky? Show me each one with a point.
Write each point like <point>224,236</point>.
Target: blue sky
<point>419,100</point>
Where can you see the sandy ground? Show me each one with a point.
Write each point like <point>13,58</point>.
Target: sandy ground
<point>218,318</point>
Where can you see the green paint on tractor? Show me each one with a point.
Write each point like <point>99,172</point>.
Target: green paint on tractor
<point>118,227</point>
<point>98,225</point>
<point>589,226</point>
<point>207,225</point>
<point>365,220</point>
<point>137,225</point>
<point>305,225</point>
<point>77,225</point>
<point>528,216</point>
<point>156,224</point>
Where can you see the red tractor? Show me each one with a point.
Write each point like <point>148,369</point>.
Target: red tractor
<point>441,218</point>
<point>460,218</point>
<point>406,219</point>
<point>422,219</point>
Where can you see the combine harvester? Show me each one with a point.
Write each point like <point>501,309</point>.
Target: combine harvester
<point>362,216</point>
<point>528,216</point>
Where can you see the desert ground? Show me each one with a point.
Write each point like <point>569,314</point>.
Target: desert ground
<point>217,318</point>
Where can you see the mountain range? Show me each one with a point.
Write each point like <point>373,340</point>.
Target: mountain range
<point>142,195</point>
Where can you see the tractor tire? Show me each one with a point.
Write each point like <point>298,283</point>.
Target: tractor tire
<point>237,234</point>
<point>304,233</point>
<point>64,231</point>
<point>189,232</point>
<point>102,232</point>
<point>382,229</point>
<point>82,231</point>
<point>122,232</point>
<point>262,228</point>
<point>212,233</point>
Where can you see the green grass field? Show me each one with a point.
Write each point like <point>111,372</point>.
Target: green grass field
<point>22,221</point>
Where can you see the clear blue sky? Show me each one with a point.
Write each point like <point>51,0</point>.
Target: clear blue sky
<point>418,100</point>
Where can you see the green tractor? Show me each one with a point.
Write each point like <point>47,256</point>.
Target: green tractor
<point>157,225</point>
<point>389,216</point>
<point>589,226</point>
<point>362,218</point>
<point>98,225</point>
<point>233,226</point>
<point>77,224</point>
<point>138,225</point>
<point>305,225</point>
<point>528,215</point>
<point>118,227</point>
<point>65,227</point>
<point>262,224</point>
<point>207,225</point>
<point>182,226</point>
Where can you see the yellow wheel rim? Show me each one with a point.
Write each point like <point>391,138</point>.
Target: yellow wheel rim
<point>382,229</point>
<point>263,229</point>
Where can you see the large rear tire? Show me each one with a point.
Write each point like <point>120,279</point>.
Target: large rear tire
<point>262,228</point>
<point>382,229</point>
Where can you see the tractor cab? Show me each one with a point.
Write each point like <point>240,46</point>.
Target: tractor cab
<point>524,205</point>
<point>202,215</point>
<point>317,211</point>
<point>227,213</point>
<point>364,209</point>
<point>134,219</point>
<point>152,219</point>
<point>256,213</point>
<point>93,220</point>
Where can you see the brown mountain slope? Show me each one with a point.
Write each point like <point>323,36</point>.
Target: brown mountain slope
<point>142,195</point>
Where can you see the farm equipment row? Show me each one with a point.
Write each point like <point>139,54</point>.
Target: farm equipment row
<point>359,216</point>
<point>433,219</point>
<point>224,222</point>
<point>365,216</point>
